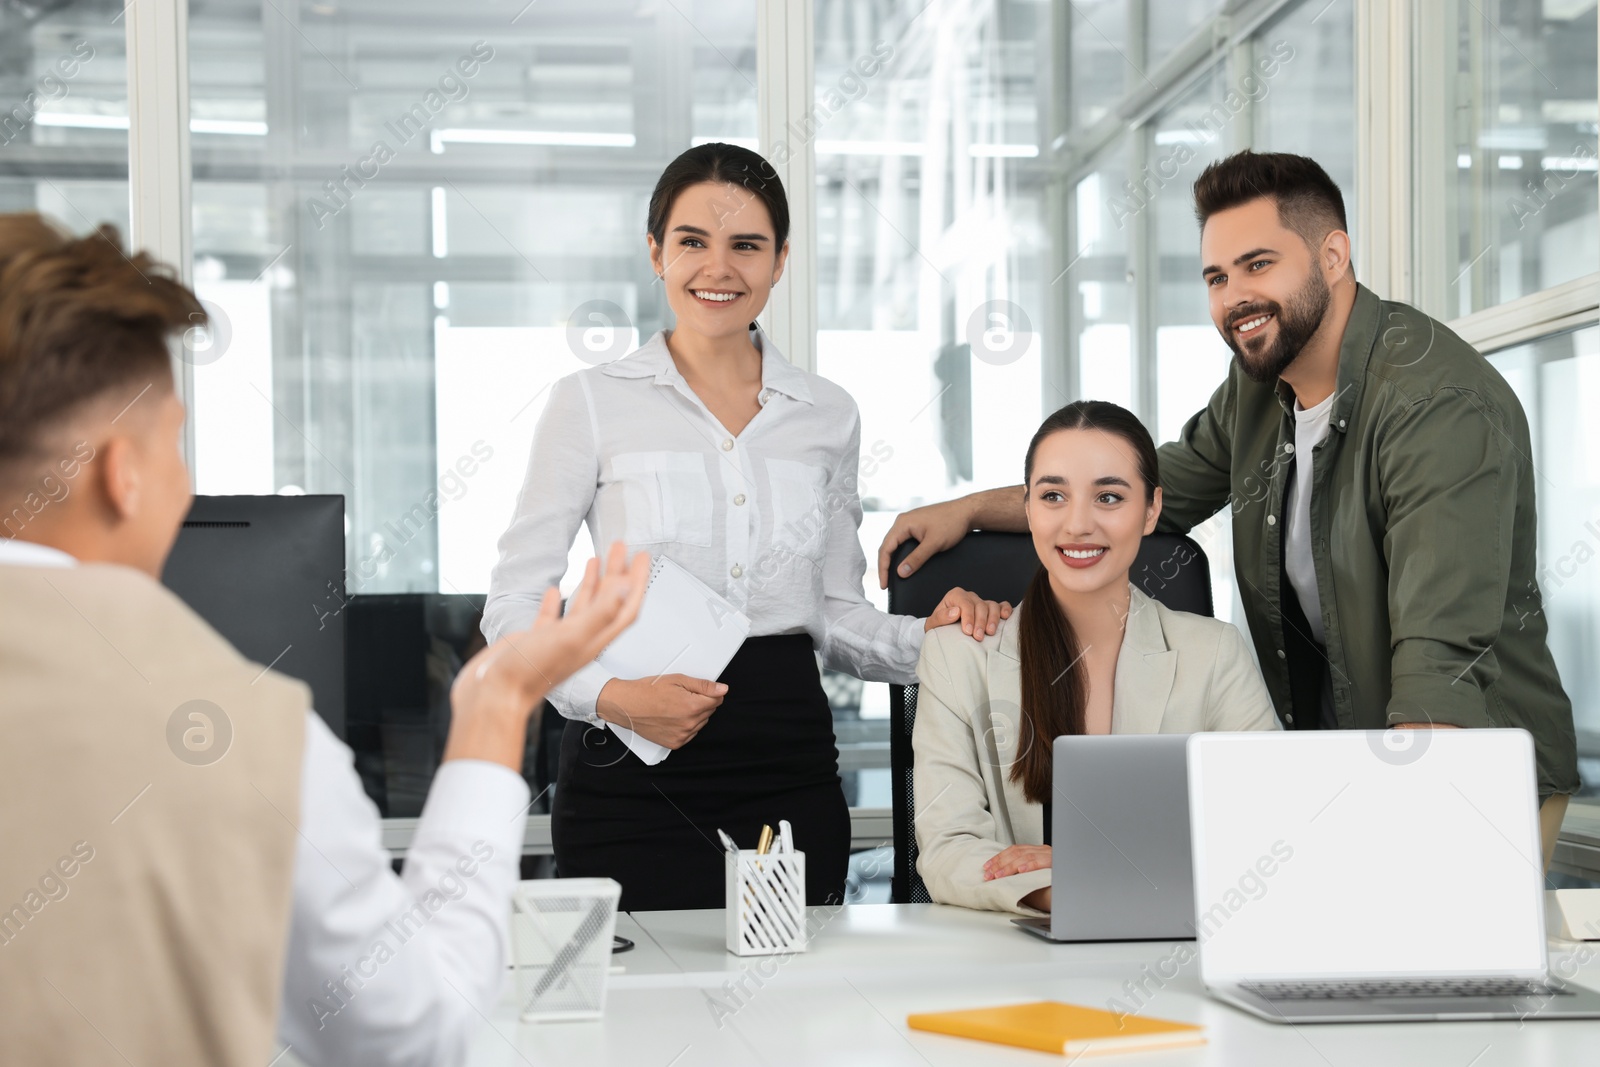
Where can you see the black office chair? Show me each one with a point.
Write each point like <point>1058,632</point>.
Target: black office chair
<point>1170,568</point>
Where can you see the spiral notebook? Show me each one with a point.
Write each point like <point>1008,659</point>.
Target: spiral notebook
<point>684,627</point>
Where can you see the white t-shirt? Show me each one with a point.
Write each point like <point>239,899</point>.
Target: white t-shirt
<point>1310,430</point>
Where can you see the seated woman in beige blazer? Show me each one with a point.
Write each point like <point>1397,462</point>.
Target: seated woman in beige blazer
<point>1085,653</point>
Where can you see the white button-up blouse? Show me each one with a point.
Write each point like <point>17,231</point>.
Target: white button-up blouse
<point>767,518</point>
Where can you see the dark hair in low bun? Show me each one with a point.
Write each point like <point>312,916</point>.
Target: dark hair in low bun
<point>720,162</point>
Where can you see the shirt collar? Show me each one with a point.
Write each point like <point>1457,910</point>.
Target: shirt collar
<point>653,360</point>
<point>32,554</point>
<point>1355,349</point>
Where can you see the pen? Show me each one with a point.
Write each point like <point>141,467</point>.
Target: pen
<point>733,852</point>
<point>785,836</point>
<point>765,844</point>
<point>561,966</point>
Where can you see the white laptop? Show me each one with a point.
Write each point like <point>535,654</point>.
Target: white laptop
<point>1372,876</point>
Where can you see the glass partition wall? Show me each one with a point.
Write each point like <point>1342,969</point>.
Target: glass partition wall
<point>410,220</point>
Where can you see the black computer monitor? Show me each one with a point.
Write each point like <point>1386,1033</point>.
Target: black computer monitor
<point>267,572</point>
<point>402,654</point>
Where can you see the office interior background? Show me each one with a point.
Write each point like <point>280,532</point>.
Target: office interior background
<point>992,216</point>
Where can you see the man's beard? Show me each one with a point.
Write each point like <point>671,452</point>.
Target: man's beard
<point>1297,322</point>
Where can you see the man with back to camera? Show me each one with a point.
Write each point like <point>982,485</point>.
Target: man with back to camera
<point>1380,476</point>
<point>161,910</point>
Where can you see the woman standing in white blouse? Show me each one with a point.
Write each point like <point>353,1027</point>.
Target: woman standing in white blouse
<point>706,446</point>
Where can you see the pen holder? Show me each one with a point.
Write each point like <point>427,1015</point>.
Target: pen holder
<point>766,903</point>
<point>561,931</point>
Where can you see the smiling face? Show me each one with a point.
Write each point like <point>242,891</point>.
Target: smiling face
<point>717,258</point>
<point>1087,509</point>
<point>1267,290</point>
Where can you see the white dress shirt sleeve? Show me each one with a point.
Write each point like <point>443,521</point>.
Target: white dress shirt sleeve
<point>557,493</point>
<point>857,638</point>
<point>387,969</point>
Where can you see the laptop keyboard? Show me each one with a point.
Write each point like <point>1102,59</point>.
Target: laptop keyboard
<point>1459,987</point>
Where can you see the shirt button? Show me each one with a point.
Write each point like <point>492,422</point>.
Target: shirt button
<point>1281,654</point>
<point>1288,720</point>
<point>1272,520</point>
<point>1341,424</point>
<point>738,501</point>
<point>766,395</point>
<point>727,446</point>
<point>736,571</point>
<point>1288,448</point>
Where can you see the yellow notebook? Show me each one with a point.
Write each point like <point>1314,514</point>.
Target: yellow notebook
<point>1051,1026</point>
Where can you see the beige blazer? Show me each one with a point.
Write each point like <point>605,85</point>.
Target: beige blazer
<point>150,780</point>
<point>1176,673</point>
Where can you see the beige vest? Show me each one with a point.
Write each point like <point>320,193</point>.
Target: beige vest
<point>148,841</point>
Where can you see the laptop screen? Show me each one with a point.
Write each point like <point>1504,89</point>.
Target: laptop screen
<point>1366,854</point>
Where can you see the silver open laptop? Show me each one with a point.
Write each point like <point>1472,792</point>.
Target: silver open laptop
<point>1371,876</point>
<point>1119,841</point>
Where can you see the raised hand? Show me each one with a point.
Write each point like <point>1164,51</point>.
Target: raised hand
<point>498,688</point>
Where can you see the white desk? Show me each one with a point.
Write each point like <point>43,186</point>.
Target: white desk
<point>684,1001</point>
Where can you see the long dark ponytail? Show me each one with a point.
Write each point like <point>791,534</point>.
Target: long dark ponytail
<point>1055,690</point>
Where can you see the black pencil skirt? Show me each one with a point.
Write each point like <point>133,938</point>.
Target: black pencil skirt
<point>767,753</point>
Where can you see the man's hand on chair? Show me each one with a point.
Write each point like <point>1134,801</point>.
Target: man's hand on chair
<point>935,528</point>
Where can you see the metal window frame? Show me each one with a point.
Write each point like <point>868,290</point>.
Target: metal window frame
<point>159,173</point>
<point>785,94</point>
<point>1399,93</point>
<point>1402,141</point>
<point>1570,305</point>
<point>1404,124</point>
<point>1384,155</point>
<point>1399,96</point>
<point>1226,38</point>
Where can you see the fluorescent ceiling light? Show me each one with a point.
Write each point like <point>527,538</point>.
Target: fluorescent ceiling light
<point>1512,139</point>
<point>1568,111</point>
<point>238,127</point>
<point>1570,163</point>
<point>575,139</point>
<point>77,121</point>
<point>84,121</point>
<point>869,148</point>
<point>1007,151</point>
<point>441,241</point>
<point>918,148</point>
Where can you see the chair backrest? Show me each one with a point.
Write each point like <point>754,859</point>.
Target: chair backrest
<point>1170,568</point>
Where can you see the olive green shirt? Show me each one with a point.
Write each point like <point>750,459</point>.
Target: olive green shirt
<point>1422,531</point>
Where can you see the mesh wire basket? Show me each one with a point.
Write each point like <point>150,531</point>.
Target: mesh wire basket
<point>561,931</point>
